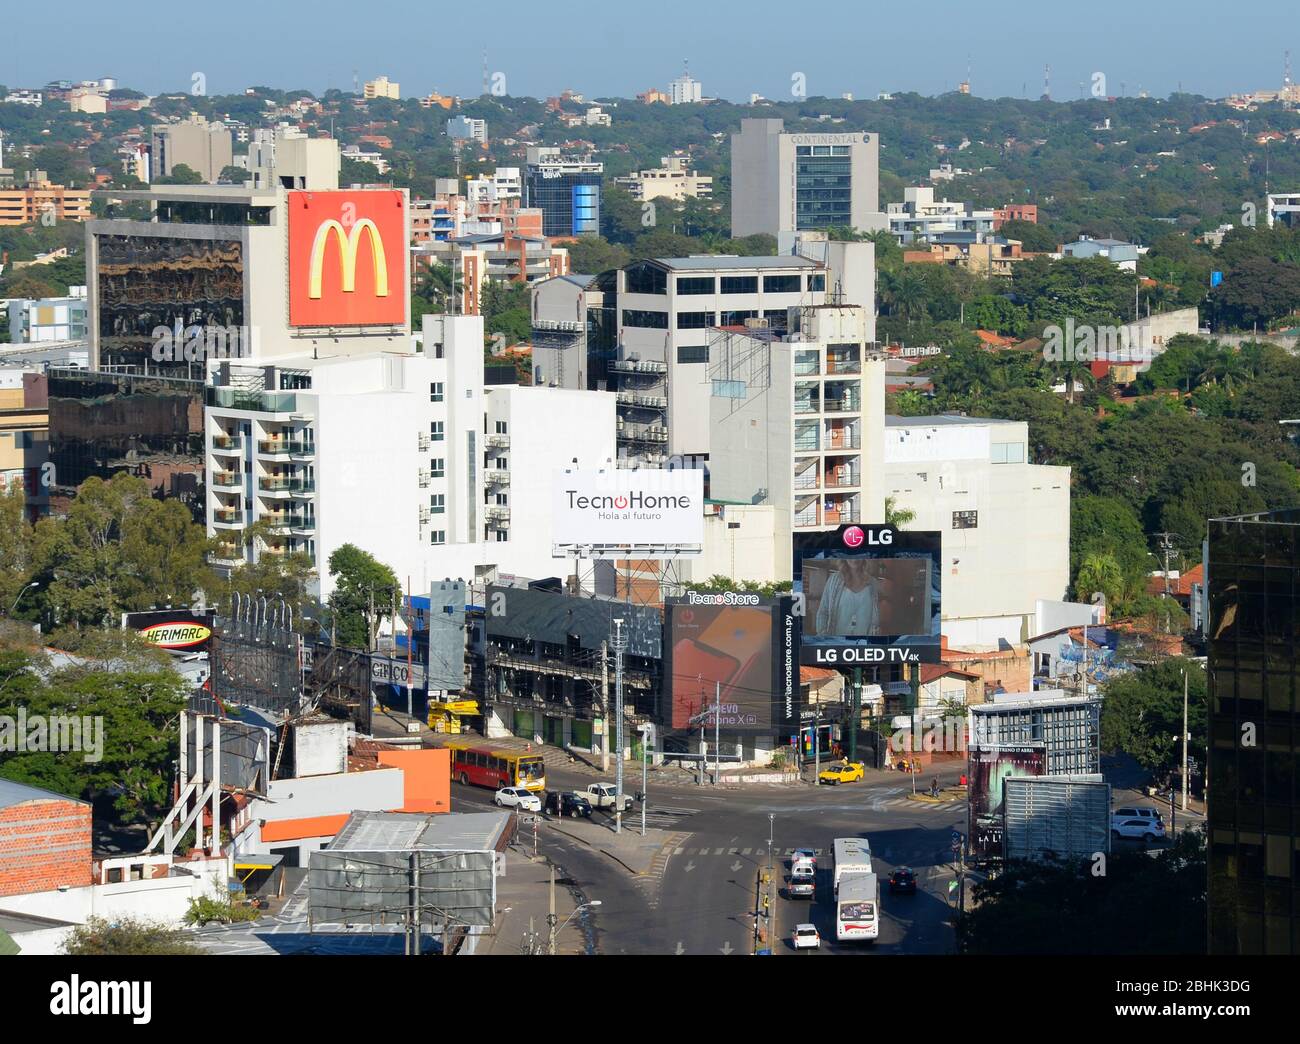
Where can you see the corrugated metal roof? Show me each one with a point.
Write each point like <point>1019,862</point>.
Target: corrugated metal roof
<point>12,793</point>
<point>407,832</point>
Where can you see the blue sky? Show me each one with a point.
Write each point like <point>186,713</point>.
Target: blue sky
<point>609,48</point>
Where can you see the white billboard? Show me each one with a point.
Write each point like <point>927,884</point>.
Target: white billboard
<point>640,510</point>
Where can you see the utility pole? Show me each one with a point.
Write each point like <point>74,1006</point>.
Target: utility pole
<point>619,644</point>
<point>717,726</point>
<point>550,918</point>
<point>1184,739</point>
<point>855,714</point>
<point>604,705</point>
<point>1167,546</point>
<point>817,744</point>
<point>645,771</point>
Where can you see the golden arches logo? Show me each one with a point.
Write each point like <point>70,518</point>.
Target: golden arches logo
<point>349,241</point>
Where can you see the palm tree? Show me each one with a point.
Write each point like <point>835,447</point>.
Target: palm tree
<point>896,516</point>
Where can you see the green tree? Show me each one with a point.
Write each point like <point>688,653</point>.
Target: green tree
<point>361,581</point>
<point>181,175</point>
<point>128,937</point>
<point>1142,714</point>
<point>1098,571</point>
<point>896,516</point>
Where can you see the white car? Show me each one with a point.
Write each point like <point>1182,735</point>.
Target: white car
<point>518,797</point>
<point>803,855</point>
<point>1142,828</point>
<point>806,937</point>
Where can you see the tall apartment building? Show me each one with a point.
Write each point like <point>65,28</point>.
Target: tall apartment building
<point>206,148</point>
<point>1253,661</point>
<point>784,183</point>
<point>382,87</point>
<point>1005,521</point>
<point>797,421</point>
<point>921,216</point>
<point>575,330</point>
<point>24,435</point>
<point>685,91</point>
<point>463,128</point>
<point>667,309</point>
<point>311,444</point>
<point>672,179</point>
<point>48,318</point>
<point>38,199</point>
<point>567,192</point>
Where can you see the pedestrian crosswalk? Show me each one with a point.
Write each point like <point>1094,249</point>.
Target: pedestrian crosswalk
<point>666,817</point>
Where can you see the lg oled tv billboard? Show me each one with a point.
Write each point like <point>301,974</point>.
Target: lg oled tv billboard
<point>347,258</point>
<point>867,595</point>
<point>734,654</point>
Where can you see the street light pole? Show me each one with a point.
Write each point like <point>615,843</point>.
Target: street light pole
<point>771,824</point>
<point>1184,739</point>
<point>619,643</point>
<point>645,771</point>
<point>34,583</point>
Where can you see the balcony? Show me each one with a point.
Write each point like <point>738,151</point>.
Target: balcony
<point>498,515</point>
<point>278,484</point>
<point>227,444</point>
<point>251,401</point>
<point>844,404</point>
<point>497,477</point>
<point>652,366</point>
<point>806,479</point>
<point>842,478</point>
<point>649,402</point>
<point>285,448</point>
<point>842,364</point>
<point>807,404</point>
<point>227,517</point>
<point>637,433</point>
<point>842,439</point>
<point>291,522</point>
<point>423,443</point>
<point>496,440</point>
<point>227,479</point>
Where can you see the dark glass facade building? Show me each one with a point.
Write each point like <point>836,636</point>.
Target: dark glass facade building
<point>823,193</point>
<point>144,282</point>
<point>151,427</point>
<point>1253,648</point>
<point>569,202</point>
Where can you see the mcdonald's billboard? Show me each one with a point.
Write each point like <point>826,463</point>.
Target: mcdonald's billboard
<point>347,258</point>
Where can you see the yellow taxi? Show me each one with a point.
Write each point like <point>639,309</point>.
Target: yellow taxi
<point>844,772</point>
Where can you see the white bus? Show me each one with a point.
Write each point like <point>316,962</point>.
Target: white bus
<point>852,856</point>
<point>857,908</point>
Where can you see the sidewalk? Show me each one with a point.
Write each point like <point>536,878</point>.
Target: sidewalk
<point>523,903</point>
<point>631,851</point>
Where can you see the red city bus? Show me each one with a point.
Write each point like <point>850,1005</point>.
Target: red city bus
<point>485,767</point>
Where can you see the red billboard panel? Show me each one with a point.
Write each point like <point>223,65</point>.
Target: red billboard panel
<point>347,258</point>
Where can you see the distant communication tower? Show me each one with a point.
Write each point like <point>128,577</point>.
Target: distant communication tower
<point>1047,83</point>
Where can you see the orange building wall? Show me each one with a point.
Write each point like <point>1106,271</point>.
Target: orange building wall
<point>426,776</point>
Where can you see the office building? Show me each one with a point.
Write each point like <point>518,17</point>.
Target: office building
<point>797,421</point>
<point>48,318</point>
<point>206,148</point>
<point>685,91</point>
<point>567,192</point>
<point>382,87</point>
<point>672,179</point>
<point>1005,522</point>
<point>37,199</point>
<point>575,330</point>
<point>463,128</point>
<point>1251,824</point>
<point>667,310</point>
<point>783,183</point>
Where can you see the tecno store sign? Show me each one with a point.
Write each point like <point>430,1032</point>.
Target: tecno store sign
<point>347,258</point>
<point>617,509</point>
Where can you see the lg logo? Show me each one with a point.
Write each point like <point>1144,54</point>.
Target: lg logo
<point>854,537</point>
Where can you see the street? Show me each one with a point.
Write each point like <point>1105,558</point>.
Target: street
<point>699,894</point>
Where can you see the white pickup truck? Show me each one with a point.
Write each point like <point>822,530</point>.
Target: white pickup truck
<point>605,795</point>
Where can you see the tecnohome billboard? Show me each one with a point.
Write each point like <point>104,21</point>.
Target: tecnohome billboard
<point>867,595</point>
<point>734,654</point>
<point>347,258</point>
<point>645,511</point>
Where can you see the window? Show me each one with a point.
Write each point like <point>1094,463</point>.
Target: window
<point>694,320</point>
<point>438,536</point>
<point>435,431</point>
<point>693,355</point>
<point>781,284</point>
<point>502,536</point>
<point>438,504</point>
<point>817,282</point>
<point>740,284</point>
<point>503,499</point>
<point>502,463</point>
<point>687,285</point>
<point>1007,453</point>
<point>502,428</point>
<point>435,391</point>
<point>647,279</point>
<point>437,467</point>
<point>645,319</point>
<point>737,317</point>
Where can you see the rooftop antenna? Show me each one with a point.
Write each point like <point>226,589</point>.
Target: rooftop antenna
<point>1047,83</point>
<point>485,74</point>
<point>1286,69</point>
<point>356,83</point>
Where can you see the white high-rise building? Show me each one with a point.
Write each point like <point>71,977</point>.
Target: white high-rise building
<point>405,455</point>
<point>685,91</point>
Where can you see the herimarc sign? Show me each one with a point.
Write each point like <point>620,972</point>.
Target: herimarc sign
<point>347,258</point>
<point>180,629</point>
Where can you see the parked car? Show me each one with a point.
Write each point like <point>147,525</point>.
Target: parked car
<point>801,882</point>
<point>605,795</point>
<point>566,804</point>
<point>1141,827</point>
<point>1138,812</point>
<point>806,937</point>
<point>903,880</point>
<point>803,855</point>
<point>844,772</point>
<point>517,797</point>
